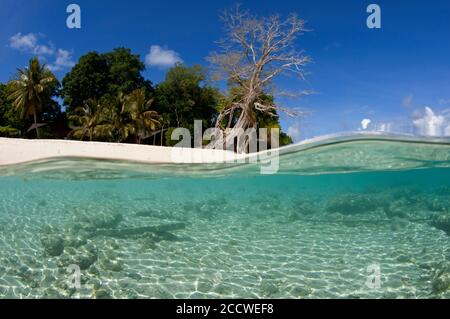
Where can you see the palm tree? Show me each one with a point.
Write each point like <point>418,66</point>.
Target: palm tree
<point>88,117</point>
<point>114,122</point>
<point>116,118</point>
<point>31,90</point>
<point>144,119</point>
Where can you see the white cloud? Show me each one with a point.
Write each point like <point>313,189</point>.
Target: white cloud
<point>161,57</point>
<point>23,42</point>
<point>294,131</point>
<point>431,124</point>
<point>365,123</point>
<point>31,43</point>
<point>423,122</point>
<point>63,60</point>
<point>44,50</point>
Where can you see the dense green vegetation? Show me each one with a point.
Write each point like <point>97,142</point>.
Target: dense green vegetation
<point>98,75</point>
<point>26,97</point>
<point>104,97</point>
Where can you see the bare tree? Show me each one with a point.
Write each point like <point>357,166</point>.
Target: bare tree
<point>254,52</point>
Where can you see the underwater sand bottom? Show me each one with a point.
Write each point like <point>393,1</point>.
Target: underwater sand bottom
<point>225,251</point>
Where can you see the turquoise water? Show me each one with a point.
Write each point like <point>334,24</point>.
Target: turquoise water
<point>317,229</point>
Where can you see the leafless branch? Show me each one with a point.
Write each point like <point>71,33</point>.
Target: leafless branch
<point>253,53</point>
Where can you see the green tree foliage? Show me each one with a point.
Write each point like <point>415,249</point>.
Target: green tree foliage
<point>88,79</point>
<point>120,118</point>
<point>125,72</point>
<point>144,118</point>
<point>117,122</point>
<point>3,101</point>
<point>185,96</point>
<point>96,75</point>
<point>87,118</point>
<point>31,91</point>
<point>10,122</point>
<point>3,104</point>
<point>108,100</point>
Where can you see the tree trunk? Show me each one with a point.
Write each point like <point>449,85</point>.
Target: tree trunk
<point>246,120</point>
<point>35,123</point>
<point>243,123</point>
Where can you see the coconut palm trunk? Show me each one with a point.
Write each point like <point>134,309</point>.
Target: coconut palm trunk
<point>35,125</point>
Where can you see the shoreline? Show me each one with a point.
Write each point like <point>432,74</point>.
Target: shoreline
<point>17,151</point>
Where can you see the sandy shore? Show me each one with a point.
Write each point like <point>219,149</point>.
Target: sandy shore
<point>13,151</point>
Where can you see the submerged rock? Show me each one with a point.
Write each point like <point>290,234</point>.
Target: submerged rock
<point>303,207</point>
<point>148,213</point>
<point>301,291</point>
<point>74,241</point>
<point>440,283</point>
<point>101,294</point>
<point>398,223</point>
<point>293,217</point>
<point>148,242</point>
<point>438,204</point>
<point>356,204</point>
<point>404,259</point>
<point>269,289</point>
<point>397,209</point>
<point>52,293</point>
<point>442,222</point>
<point>42,203</point>
<point>217,202</point>
<point>93,270</point>
<point>28,276</point>
<point>112,265</point>
<point>134,275</point>
<point>91,223</point>
<point>53,245</point>
<point>159,231</point>
<point>441,279</point>
<point>84,257</point>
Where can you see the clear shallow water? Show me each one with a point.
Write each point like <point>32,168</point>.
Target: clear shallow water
<point>162,231</point>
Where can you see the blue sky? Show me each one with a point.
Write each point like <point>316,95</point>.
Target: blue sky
<point>387,75</point>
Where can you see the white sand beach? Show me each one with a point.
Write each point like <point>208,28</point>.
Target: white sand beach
<point>14,151</point>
